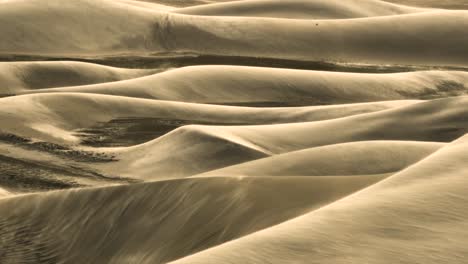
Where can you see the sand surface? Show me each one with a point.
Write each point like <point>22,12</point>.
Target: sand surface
<point>249,131</point>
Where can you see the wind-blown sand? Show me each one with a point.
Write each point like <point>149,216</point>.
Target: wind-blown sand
<point>301,9</point>
<point>356,158</point>
<point>250,131</point>
<point>254,85</point>
<point>17,76</point>
<point>406,218</point>
<point>400,39</point>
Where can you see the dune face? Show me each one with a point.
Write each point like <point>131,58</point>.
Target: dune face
<point>428,198</point>
<point>19,76</point>
<point>279,87</point>
<point>383,39</point>
<point>300,9</point>
<point>249,131</point>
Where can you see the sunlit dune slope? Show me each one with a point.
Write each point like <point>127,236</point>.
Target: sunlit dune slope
<point>256,85</point>
<point>416,216</point>
<point>440,120</point>
<point>54,117</point>
<point>356,158</point>
<point>300,9</point>
<point>197,149</point>
<point>157,222</point>
<point>17,76</point>
<point>92,28</point>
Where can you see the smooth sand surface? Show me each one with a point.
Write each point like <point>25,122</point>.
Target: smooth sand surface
<point>17,76</point>
<point>55,117</point>
<point>255,85</point>
<point>170,131</point>
<point>415,216</point>
<point>301,9</point>
<point>395,39</point>
<point>356,158</point>
<point>157,222</point>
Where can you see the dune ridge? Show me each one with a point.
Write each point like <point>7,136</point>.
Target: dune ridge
<point>183,203</point>
<point>300,9</point>
<point>356,158</point>
<point>387,39</point>
<point>259,141</point>
<point>61,114</point>
<point>242,85</point>
<point>428,199</point>
<point>248,131</point>
<point>445,126</point>
<point>17,76</point>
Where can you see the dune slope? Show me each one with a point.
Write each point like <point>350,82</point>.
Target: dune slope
<point>56,117</point>
<point>17,76</point>
<point>441,120</point>
<point>257,86</point>
<point>99,27</point>
<point>156,222</point>
<point>300,9</point>
<point>357,158</point>
<point>196,149</point>
<point>416,216</point>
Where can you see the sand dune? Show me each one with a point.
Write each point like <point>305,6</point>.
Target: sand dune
<point>300,9</point>
<point>450,4</point>
<point>357,158</point>
<point>182,217</point>
<point>255,85</point>
<point>416,216</point>
<point>55,117</point>
<point>17,76</point>
<point>203,148</point>
<point>440,120</point>
<point>249,131</point>
<point>400,39</point>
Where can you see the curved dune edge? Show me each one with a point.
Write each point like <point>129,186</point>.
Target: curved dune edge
<point>449,4</point>
<point>300,9</point>
<point>55,117</point>
<point>428,198</point>
<point>445,126</point>
<point>241,85</point>
<point>197,149</point>
<point>150,161</point>
<point>18,76</point>
<point>400,39</point>
<point>183,216</point>
<point>187,146</point>
<point>356,158</point>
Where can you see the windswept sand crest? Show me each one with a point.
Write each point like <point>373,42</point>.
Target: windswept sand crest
<point>100,27</point>
<point>233,164</point>
<point>183,217</point>
<point>256,85</point>
<point>56,117</point>
<point>406,218</point>
<point>449,4</point>
<point>197,149</point>
<point>300,9</point>
<point>204,154</point>
<point>441,120</point>
<point>356,158</point>
<point>17,76</point>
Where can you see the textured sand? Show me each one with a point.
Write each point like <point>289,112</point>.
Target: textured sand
<point>241,85</point>
<point>164,157</point>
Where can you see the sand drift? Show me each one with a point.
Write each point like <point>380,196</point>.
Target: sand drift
<point>252,131</point>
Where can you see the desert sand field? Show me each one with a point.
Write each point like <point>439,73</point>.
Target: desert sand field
<point>249,131</point>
